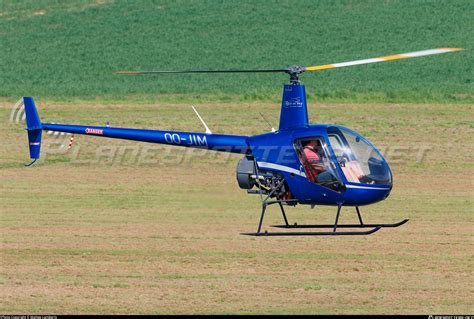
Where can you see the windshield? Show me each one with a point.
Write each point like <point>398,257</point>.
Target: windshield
<point>359,160</point>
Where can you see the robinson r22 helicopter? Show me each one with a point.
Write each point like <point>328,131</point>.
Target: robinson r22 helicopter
<point>300,163</point>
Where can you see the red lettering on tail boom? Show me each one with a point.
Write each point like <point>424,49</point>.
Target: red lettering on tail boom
<point>94,131</point>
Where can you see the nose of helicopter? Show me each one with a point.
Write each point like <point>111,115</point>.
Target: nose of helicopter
<point>364,172</point>
<point>365,195</point>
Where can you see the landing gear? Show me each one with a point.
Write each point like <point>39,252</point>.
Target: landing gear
<point>334,232</point>
<point>272,189</point>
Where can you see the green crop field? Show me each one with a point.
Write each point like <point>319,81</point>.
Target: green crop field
<point>69,49</point>
<point>119,227</point>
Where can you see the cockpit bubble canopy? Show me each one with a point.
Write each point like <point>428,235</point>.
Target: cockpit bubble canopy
<point>359,160</point>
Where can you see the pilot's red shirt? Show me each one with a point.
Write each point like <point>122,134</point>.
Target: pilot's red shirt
<point>311,154</point>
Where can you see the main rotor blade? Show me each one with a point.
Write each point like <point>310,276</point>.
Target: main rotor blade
<point>382,59</point>
<point>203,71</point>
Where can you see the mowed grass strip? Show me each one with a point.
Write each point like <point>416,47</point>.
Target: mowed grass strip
<point>122,236</point>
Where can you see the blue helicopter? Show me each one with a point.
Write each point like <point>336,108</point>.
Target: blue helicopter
<point>300,163</point>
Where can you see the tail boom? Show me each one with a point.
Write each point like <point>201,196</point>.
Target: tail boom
<point>216,142</point>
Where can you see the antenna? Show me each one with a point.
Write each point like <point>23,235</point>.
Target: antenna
<point>208,131</point>
<point>263,117</point>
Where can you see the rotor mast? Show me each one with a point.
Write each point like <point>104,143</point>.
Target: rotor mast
<point>294,110</point>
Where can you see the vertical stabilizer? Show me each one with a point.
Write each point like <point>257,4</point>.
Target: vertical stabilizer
<point>33,126</point>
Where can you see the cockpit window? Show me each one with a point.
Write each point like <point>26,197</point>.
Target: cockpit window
<point>359,161</point>
<point>319,169</point>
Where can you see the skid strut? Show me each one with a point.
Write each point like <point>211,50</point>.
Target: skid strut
<point>334,232</point>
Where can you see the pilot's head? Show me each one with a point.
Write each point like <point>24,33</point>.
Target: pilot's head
<point>312,143</point>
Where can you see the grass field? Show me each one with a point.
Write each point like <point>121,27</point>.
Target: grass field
<point>123,236</point>
<point>67,50</point>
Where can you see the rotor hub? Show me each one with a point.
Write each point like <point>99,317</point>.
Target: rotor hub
<point>294,72</point>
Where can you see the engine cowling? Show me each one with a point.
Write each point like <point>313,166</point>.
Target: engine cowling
<point>246,174</point>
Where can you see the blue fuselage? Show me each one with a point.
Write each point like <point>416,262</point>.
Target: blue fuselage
<point>362,175</point>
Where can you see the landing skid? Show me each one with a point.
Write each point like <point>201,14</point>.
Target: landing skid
<point>329,233</point>
<point>334,232</point>
<point>344,225</point>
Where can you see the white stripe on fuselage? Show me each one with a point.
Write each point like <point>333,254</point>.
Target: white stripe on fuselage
<point>297,172</point>
<point>368,187</point>
<point>281,168</point>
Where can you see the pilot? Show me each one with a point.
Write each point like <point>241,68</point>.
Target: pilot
<point>319,174</point>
